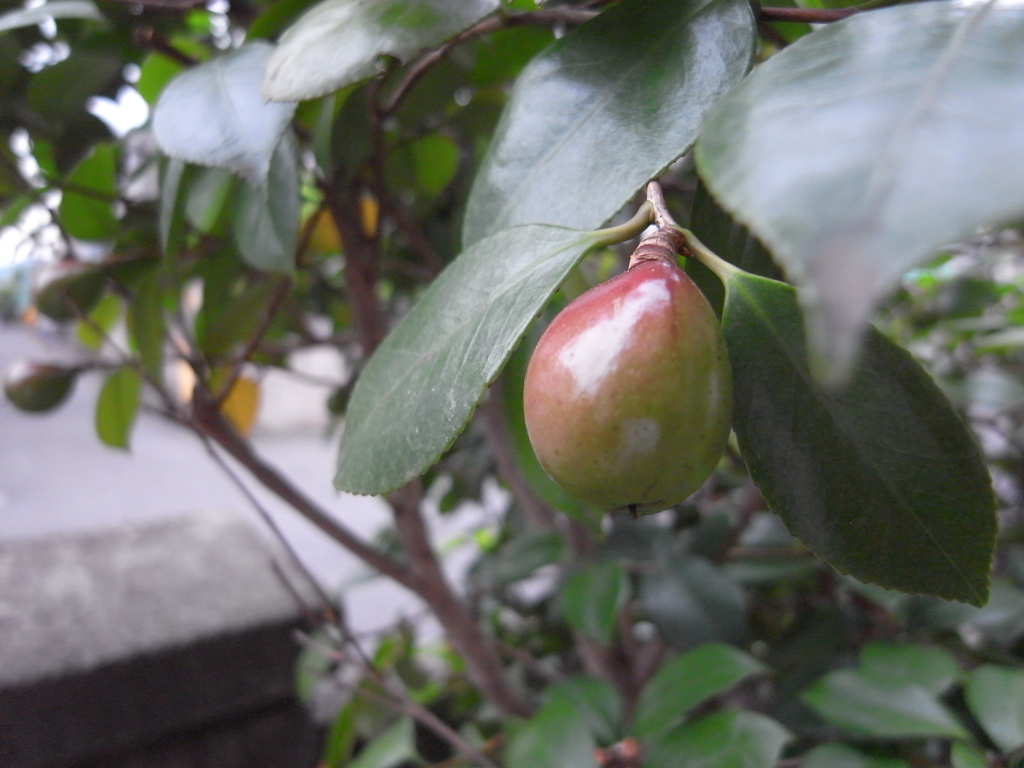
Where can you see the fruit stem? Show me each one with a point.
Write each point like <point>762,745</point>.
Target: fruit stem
<point>723,269</point>
<point>640,221</point>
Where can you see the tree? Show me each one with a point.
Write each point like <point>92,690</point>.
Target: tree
<point>429,177</point>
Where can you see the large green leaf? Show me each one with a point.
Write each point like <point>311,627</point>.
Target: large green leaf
<point>420,388</point>
<point>146,323</point>
<point>86,205</point>
<point>57,9</point>
<point>604,109</point>
<point>117,405</point>
<point>594,700</point>
<point>722,740</point>
<point>881,479</point>
<point>898,664</point>
<point>213,114</point>
<point>266,224</point>
<point>852,701</point>
<point>688,680</point>
<point>591,598</point>
<point>996,697</point>
<point>862,148</point>
<point>337,42</point>
<point>692,601</point>
<point>556,737</point>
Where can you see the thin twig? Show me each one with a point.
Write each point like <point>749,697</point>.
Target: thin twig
<point>208,420</point>
<point>328,609</point>
<point>808,15</point>
<point>496,431</point>
<point>545,17</point>
<point>276,299</point>
<point>401,701</point>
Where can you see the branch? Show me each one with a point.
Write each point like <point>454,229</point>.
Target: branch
<point>532,506</point>
<point>208,420</point>
<point>361,268</point>
<point>480,652</point>
<point>808,15</point>
<point>276,299</point>
<point>546,17</point>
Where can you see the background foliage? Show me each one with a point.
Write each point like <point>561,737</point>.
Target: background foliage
<point>347,174</point>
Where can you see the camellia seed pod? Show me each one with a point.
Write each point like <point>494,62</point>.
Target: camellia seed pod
<point>38,387</point>
<point>628,394</point>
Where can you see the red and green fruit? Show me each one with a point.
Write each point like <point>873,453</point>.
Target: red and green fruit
<point>628,394</point>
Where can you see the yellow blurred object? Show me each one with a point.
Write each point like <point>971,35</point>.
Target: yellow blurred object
<point>241,405</point>
<point>369,210</point>
<point>324,238</point>
<point>30,315</point>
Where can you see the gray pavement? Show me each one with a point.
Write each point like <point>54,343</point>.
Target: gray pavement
<point>55,476</point>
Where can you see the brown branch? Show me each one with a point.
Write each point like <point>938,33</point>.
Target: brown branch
<point>808,15</point>
<point>327,608</point>
<point>361,268</point>
<point>276,300</point>
<point>546,17</point>
<point>496,431</point>
<point>207,419</point>
<point>362,265</point>
<point>398,699</point>
<point>146,37</point>
<point>480,652</point>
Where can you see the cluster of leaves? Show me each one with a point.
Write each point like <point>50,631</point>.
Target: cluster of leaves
<point>422,179</point>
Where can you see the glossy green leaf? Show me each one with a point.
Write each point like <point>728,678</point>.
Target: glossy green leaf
<point>213,114</point>
<point>341,737</point>
<point>900,664</point>
<point>594,700</point>
<point>722,740</point>
<point>60,92</point>
<point>604,109</point>
<point>117,406</point>
<point>523,555</point>
<point>276,17</point>
<point>852,701</point>
<point>842,756</point>
<point>881,479</point>
<point>688,680</point>
<point>171,218</point>
<point>337,42</point>
<point>85,206</point>
<point>996,698</point>
<point>57,9</point>
<point>556,737</point>
<point>591,598</point>
<point>101,319</point>
<point>266,223</point>
<point>858,151</point>
<point>691,601</point>
<point>146,323</point>
<point>419,389</point>
<point>209,190</point>
<point>966,756</point>
<point>435,159</point>
<point>394,746</point>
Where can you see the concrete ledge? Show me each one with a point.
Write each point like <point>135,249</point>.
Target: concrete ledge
<point>111,642</point>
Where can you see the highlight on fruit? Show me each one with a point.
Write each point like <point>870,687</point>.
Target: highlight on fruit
<point>628,394</point>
